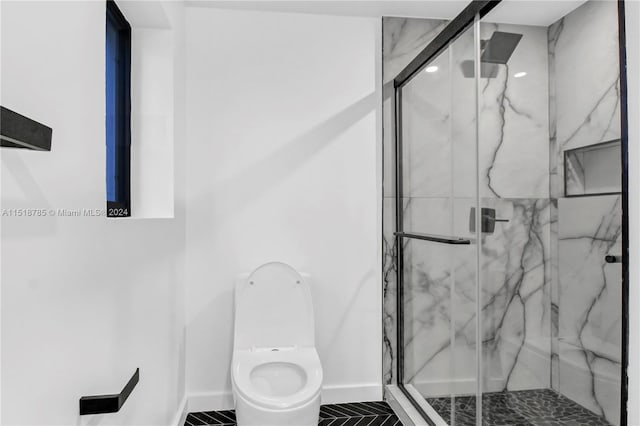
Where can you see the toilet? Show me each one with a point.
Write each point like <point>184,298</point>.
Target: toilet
<point>275,372</point>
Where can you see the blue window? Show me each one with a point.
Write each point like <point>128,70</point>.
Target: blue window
<point>118,111</point>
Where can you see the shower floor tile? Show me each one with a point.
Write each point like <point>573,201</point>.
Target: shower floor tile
<point>538,407</point>
<point>360,413</point>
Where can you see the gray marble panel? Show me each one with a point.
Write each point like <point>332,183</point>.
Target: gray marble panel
<point>514,119</point>
<point>555,293</point>
<point>515,281</point>
<point>440,299</point>
<point>549,305</point>
<point>584,110</point>
<point>402,40</point>
<point>439,124</point>
<point>589,334</point>
<point>439,303</point>
<point>426,133</point>
<point>585,90</point>
<point>388,141</point>
<point>555,186</point>
<point>389,292</point>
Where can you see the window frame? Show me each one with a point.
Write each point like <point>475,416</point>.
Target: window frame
<point>121,207</point>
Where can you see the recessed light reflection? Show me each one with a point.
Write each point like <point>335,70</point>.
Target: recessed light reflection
<point>520,74</point>
<point>431,68</point>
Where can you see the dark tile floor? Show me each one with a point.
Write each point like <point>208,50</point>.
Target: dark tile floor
<point>358,413</point>
<point>539,407</point>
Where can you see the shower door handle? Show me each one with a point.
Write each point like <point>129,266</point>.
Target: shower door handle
<point>613,258</point>
<point>433,238</point>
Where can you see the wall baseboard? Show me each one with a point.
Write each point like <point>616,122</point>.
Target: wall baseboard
<point>181,414</point>
<point>209,401</point>
<point>215,401</point>
<point>352,393</point>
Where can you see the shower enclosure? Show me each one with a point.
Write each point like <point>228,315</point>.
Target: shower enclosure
<point>503,214</point>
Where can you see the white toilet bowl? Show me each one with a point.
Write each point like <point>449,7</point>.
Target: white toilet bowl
<point>276,373</point>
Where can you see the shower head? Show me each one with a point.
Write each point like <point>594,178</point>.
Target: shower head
<point>499,48</point>
<point>495,51</point>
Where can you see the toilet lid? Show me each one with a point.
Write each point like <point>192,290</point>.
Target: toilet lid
<point>246,363</point>
<point>273,309</point>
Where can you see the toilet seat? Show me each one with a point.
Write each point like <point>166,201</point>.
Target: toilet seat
<point>306,359</point>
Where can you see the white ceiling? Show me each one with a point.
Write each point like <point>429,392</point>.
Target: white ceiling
<point>144,14</point>
<point>532,12</point>
<point>522,12</point>
<point>371,8</point>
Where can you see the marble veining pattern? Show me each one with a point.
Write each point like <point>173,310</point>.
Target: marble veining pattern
<point>555,293</point>
<point>589,337</point>
<point>584,110</point>
<point>440,300</point>
<point>550,306</point>
<point>402,39</point>
<point>389,292</point>
<point>585,89</point>
<point>513,111</point>
<point>439,131</point>
<point>514,119</point>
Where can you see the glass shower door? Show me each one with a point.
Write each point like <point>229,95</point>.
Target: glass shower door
<point>436,182</point>
<point>510,223</point>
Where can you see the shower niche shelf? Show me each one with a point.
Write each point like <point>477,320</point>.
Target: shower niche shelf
<point>593,170</point>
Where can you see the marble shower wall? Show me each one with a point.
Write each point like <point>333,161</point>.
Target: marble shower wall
<point>439,186</point>
<point>590,294</point>
<point>586,297</point>
<point>514,179</point>
<point>585,82</point>
<point>551,306</point>
<point>514,120</point>
<point>439,124</point>
<point>402,40</point>
<point>440,298</point>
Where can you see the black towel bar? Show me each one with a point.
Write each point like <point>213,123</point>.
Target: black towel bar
<point>101,404</point>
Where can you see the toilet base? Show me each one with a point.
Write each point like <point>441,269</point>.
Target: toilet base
<point>248,414</point>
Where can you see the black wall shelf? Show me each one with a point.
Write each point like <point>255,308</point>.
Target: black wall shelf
<point>18,131</point>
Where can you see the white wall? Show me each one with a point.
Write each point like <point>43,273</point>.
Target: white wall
<point>152,174</point>
<point>282,134</point>
<point>632,11</point>
<point>85,300</point>
<point>157,73</point>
